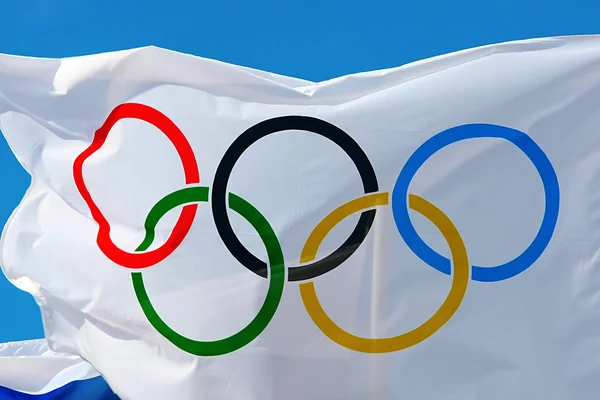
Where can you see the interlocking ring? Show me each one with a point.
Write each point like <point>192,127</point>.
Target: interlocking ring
<point>254,134</point>
<point>276,274</point>
<point>192,176</point>
<point>453,135</point>
<point>417,335</point>
<point>401,200</point>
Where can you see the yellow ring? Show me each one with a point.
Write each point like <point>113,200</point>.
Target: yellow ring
<point>460,278</point>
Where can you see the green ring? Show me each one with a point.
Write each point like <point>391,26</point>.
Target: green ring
<point>277,276</point>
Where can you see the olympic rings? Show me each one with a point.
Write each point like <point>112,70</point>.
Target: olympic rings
<point>251,136</point>
<point>417,335</point>
<point>192,176</point>
<point>276,275</point>
<point>401,200</point>
<point>452,135</point>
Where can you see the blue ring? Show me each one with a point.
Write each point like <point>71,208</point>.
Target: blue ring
<point>452,135</point>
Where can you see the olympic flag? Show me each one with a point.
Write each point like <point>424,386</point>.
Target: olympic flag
<point>200,230</point>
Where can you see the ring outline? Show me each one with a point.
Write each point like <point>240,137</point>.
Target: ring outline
<point>457,292</point>
<point>276,277</point>
<point>471,131</point>
<point>251,136</point>
<point>192,176</point>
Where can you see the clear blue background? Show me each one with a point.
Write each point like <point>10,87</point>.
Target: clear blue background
<point>309,39</point>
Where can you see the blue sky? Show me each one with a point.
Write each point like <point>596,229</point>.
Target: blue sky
<point>309,39</point>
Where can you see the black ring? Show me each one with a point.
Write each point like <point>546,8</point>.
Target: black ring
<point>251,136</point>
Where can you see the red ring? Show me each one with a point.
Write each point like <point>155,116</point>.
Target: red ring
<point>192,176</point>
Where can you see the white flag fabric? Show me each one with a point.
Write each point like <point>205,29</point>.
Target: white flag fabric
<point>31,371</point>
<point>200,230</point>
